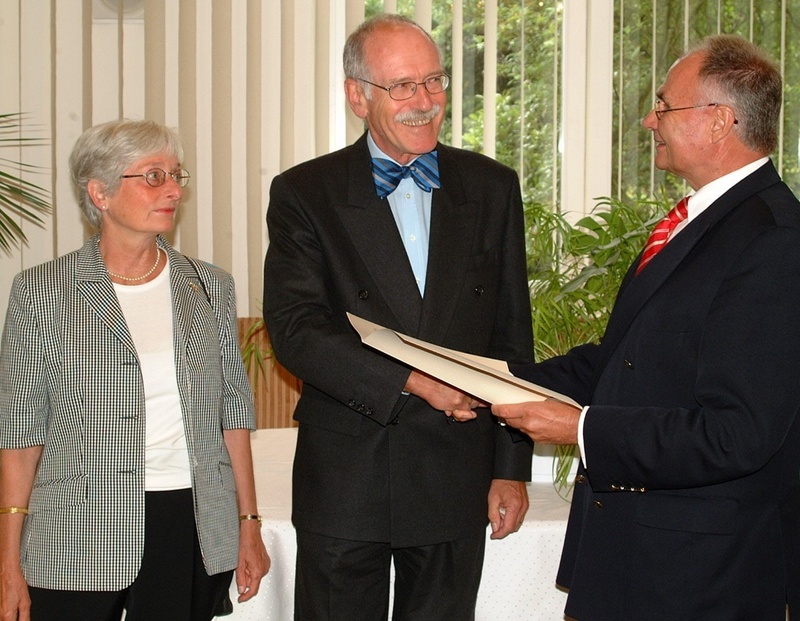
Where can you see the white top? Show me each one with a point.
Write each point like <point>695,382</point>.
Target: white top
<point>148,313</point>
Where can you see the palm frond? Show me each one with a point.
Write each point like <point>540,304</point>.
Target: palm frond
<point>19,198</point>
<point>254,353</point>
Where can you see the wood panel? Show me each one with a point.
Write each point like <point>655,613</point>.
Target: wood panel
<point>276,391</point>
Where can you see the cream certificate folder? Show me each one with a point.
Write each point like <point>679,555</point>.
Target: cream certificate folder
<point>487,379</point>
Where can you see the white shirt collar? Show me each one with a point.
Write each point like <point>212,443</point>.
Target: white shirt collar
<point>376,151</point>
<point>700,200</point>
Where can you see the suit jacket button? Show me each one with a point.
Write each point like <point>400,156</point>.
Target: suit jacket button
<point>598,504</point>
<point>352,403</point>
<point>580,479</point>
<point>363,294</point>
<point>395,420</point>
<point>628,363</point>
<point>479,290</point>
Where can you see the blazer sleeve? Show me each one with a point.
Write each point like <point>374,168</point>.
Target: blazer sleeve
<point>571,374</point>
<point>24,401</point>
<point>238,407</point>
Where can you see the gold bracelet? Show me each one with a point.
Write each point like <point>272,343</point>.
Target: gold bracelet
<point>250,516</point>
<point>23,510</point>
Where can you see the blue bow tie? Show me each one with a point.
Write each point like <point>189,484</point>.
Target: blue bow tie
<point>424,171</point>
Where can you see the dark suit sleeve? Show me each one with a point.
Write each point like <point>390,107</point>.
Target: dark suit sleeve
<point>303,307</point>
<point>512,337</point>
<point>571,374</point>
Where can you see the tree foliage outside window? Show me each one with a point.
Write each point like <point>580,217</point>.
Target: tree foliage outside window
<point>648,37</point>
<point>528,58</point>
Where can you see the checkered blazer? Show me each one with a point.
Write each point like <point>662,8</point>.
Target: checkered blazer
<point>70,381</point>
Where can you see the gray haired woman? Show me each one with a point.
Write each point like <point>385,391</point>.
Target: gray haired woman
<point>126,478</point>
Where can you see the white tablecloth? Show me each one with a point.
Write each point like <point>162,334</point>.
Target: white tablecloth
<point>518,581</point>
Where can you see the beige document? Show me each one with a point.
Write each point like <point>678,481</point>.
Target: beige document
<point>487,379</point>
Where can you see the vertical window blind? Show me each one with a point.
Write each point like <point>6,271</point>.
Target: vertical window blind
<point>555,90</point>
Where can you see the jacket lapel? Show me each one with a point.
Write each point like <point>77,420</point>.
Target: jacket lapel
<point>373,231</point>
<point>95,286</point>
<point>451,236</point>
<point>187,290</point>
<point>372,228</point>
<point>635,291</point>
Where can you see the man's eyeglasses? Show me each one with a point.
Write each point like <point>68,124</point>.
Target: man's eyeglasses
<point>155,177</point>
<point>660,112</point>
<point>405,90</point>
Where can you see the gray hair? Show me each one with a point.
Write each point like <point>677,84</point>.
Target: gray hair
<point>105,151</point>
<point>356,63</point>
<point>738,73</point>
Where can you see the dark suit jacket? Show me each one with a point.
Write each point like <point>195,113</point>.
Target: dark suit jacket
<point>688,507</point>
<point>373,464</point>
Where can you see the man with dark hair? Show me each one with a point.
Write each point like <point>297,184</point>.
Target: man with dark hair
<point>427,240</point>
<point>687,500</point>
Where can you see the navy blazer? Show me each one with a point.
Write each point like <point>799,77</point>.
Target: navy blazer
<point>373,464</point>
<point>689,506</point>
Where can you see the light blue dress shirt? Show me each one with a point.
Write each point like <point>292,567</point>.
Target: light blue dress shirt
<point>411,208</point>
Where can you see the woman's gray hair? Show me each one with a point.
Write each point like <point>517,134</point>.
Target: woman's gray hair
<point>105,151</point>
<point>356,63</point>
<point>740,74</point>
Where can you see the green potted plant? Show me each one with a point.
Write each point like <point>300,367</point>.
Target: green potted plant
<point>256,350</point>
<point>18,197</point>
<point>574,273</point>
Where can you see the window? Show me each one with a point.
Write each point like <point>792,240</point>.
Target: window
<point>504,99</point>
<point>650,35</point>
<point>511,96</point>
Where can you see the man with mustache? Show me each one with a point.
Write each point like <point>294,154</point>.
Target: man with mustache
<point>428,240</point>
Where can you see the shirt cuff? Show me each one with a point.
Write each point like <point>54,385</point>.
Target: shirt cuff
<point>581,447</point>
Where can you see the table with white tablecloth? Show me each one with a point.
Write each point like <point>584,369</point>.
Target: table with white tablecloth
<point>519,571</point>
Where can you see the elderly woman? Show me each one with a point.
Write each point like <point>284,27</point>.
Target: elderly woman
<point>126,476</point>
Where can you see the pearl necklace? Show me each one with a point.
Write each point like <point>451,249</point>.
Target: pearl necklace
<point>142,277</point>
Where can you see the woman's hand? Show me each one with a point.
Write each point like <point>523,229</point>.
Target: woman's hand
<point>15,602</point>
<point>254,562</point>
<point>17,471</point>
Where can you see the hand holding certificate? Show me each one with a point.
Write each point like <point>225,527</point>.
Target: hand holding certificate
<point>487,379</point>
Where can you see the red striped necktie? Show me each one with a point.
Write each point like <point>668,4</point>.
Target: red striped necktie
<point>660,235</point>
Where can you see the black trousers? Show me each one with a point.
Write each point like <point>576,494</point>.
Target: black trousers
<point>172,584</point>
<point>340,580</point>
